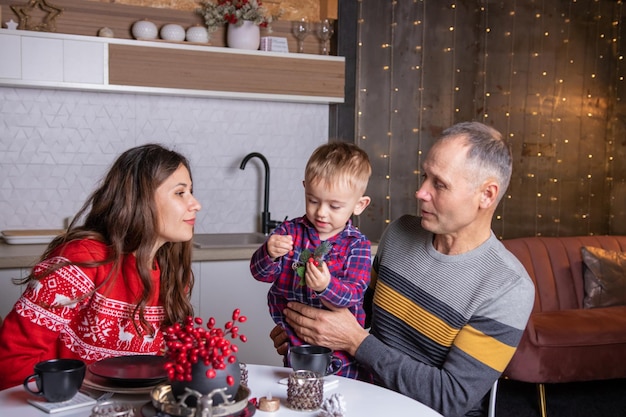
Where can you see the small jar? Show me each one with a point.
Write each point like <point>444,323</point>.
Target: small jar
<point>197,34</point>
<point>144,29</point>
<point>172,32</point>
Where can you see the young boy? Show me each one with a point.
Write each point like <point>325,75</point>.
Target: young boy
<point>321,258</point>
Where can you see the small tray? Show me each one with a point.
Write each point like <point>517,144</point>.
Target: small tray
<point>30,237</point>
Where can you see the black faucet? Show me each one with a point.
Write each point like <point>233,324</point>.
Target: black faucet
<point>266,222</point>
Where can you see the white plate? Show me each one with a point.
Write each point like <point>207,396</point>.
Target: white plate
<point>30,237</point>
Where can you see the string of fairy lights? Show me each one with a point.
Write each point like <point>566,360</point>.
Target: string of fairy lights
<point>542,101</point>
<point>618,82</point>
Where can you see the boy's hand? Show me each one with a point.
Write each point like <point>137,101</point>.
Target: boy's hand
<point>279,245</point>
<point>317,277</point>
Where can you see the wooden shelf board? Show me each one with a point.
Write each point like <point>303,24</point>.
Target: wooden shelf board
<point>189,69</point>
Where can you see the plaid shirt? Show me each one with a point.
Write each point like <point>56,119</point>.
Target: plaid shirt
<point>349,263</point>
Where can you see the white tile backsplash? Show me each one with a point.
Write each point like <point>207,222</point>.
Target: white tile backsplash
<point>56,145</point>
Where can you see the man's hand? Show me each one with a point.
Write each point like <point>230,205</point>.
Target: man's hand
<point>279,337</point>
<point>337,329</point>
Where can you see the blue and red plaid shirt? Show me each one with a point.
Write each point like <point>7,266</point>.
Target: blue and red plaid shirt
<point>349,263</point>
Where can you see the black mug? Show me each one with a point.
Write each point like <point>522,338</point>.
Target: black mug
<point>57,379</point>
<point>314,358</point>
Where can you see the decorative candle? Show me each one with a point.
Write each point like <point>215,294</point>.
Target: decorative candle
<point>268,403</point>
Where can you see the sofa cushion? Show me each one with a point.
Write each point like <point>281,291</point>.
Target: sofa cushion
<point>572,345</point>
<point>604,277</point>
<point>582,327</point>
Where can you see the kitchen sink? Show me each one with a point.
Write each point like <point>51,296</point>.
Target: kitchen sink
<point>228,240</point>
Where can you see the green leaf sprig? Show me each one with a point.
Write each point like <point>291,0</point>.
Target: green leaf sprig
<point>317,255</point>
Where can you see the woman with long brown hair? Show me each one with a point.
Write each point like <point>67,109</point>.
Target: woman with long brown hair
<point>116,277</point>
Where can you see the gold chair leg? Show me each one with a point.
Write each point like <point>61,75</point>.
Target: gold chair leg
<point>542,399</point>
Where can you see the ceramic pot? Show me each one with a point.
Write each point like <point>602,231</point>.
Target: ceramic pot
<point>144,29</point>
<point>246,36</point>
<point>172,32</point>
<point>106,32</point>
<point>197,34</point>
<point>204,385</point>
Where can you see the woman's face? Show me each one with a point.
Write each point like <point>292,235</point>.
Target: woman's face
<point>176,207</point>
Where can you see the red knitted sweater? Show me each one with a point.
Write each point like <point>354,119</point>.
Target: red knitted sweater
<point>53,320</point>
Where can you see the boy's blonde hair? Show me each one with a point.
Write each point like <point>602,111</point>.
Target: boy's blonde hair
<point>339,162</point>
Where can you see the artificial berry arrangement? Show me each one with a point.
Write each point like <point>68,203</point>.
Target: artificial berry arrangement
<point>316,257</point>
<point>189,342</point>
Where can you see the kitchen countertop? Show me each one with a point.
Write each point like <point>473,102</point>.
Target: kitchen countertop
<point>25,256</point>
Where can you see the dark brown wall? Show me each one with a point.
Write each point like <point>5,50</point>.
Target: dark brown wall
<point>547,74</point>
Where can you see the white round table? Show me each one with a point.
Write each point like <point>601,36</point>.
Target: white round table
<point>361,399</point>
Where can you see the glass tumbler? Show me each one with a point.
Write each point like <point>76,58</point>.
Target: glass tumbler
<point>305,390</point>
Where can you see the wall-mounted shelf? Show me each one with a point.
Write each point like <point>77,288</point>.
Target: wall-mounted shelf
<point>63,61</point>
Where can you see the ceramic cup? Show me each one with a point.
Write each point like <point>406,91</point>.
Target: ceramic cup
<point>57,379</point>
<point>305,390</point>
<point>314,358</point>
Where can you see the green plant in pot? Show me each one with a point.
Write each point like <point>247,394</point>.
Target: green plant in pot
<point>202,358</point>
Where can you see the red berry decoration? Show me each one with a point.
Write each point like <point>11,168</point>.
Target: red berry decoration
<point>188,343</point>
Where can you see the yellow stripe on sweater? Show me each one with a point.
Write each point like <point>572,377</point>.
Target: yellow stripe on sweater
<point>484,348</point>
<point>421,320</point>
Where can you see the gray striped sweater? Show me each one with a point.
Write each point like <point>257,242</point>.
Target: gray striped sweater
<point>443,327</point>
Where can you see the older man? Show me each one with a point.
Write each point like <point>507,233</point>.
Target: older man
<point>450,302</point>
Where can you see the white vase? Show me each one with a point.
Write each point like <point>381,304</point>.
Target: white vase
<point>246,36</point>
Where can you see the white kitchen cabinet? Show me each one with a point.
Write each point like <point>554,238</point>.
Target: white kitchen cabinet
<point>223,286</point>
<point>195,295</point>
<point>67,61</point>
<point>9,292</point>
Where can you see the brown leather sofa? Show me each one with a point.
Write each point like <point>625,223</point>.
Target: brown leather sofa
<point>564,342</point>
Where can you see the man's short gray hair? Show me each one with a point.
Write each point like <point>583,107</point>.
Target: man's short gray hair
<point>489,153</point>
